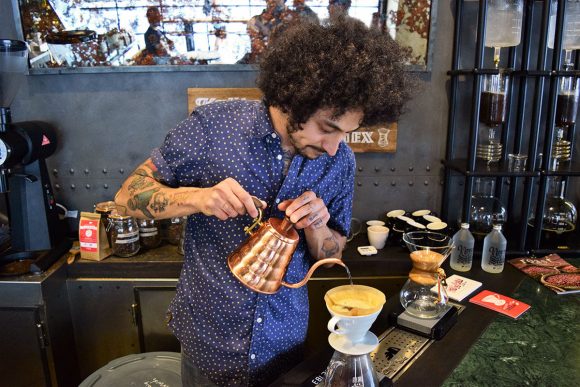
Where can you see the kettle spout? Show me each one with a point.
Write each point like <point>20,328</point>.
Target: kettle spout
<point>325,261</point>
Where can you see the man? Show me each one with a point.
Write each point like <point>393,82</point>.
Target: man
<point>156,42</point>
<point>338,7</point>
<point>319,83</point>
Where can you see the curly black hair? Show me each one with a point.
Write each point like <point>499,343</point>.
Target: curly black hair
<point>342,65</point>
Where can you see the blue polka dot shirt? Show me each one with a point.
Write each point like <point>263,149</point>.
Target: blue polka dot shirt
<point>234,335</point>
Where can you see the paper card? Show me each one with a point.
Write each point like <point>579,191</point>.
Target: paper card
<point>500,303</point>
<point>459,287</point>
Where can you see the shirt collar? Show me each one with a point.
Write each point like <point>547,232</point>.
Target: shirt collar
<point>263,126</point>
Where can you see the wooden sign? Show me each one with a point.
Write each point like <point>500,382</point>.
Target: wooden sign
<point>378,138</point>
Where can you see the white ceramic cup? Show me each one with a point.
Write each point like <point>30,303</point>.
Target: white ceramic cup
<point>378,236</point>
<point>375,223</point>
<point>354,328</point>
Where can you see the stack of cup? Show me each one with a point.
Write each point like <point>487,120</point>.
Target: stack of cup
<point>377,233</point>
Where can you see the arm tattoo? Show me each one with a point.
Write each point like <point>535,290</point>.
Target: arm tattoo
<point>318,224</point>
<point>141,201</point>
<point>139,183</point>
<point>160,202</point>
<point>330,246</point>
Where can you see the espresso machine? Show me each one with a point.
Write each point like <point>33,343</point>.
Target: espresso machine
<point>37,236</point>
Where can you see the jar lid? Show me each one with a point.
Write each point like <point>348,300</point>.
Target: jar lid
<point>106,206</point>
<point>119,217</point>
<point>71,37</point>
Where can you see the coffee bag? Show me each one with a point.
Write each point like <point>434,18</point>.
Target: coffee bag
<point>93,237</point>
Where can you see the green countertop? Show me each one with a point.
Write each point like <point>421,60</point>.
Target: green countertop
<point>541,348</point>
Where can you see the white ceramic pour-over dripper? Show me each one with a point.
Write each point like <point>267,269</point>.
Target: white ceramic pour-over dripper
<point>354,309</point>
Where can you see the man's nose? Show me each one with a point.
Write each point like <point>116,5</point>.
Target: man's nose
<point>331,145</point>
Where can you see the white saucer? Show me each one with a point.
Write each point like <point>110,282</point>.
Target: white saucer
<point>342,344</point>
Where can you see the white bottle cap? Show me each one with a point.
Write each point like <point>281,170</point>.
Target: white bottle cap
<point>465,226</point>
<point>497,227</point>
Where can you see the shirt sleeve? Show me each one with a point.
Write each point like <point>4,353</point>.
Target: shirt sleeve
<point>340,207</point>
<point>179,160</point>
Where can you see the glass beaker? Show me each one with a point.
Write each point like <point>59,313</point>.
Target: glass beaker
<point>486,210</point>
<point>428,251</point>
<point>567,104</point>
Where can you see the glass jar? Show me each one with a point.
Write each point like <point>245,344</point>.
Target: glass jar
<point>174,230</point>
<point>105,209</point>
<point>486,210</point>
<point>124,235</point>
<point>149,234</point>
<point>181,246</point>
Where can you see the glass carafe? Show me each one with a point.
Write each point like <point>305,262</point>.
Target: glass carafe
<point>428,251</point>
<point>486,210</point>
<point>560,215</point>
<point>350,371</point>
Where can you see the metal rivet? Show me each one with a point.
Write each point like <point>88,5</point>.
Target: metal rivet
<point>393,183</point>
<point>104,170</point>
<point>71,171</point>
<point>72,186</point>
<point>55,171</point>
<point>411,182</point>
<point>393,169</point>
<point>426,182</point>
<point>428,168</point>
<point>359,184</point>
<point>376,183</point>
<point>121,171</point>
<point>87,186</point>
<point>377,169</point>
<point>411,168</point>
<point>86,171</point>
<point>360,169</point>
<point>57,186</point>
<point>106,186</point>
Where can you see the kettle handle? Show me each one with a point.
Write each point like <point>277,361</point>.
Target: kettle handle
<point>257,222</point>
<point>314,267</point>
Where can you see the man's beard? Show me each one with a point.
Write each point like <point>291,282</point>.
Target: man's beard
<point>291,128</point>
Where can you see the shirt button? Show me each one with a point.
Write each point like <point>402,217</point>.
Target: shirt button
<point>252,356</point>
<point>274,135</point>
<point>259,319</point>
<point>279,157</point>
<point>277,200</point>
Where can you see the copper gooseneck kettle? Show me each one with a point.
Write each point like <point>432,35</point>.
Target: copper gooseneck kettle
<point>260,263</point>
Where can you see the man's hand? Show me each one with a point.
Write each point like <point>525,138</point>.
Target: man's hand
<point>227,199</point>
<point>306,211</point>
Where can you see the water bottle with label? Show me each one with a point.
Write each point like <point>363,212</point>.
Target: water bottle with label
<point>462,254</point>
<point>494,247</point>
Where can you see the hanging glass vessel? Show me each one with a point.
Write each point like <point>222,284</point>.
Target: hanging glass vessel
<point>486,210</point>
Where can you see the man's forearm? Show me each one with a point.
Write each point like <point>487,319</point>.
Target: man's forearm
<point>324,242</point>
<point>142,196</point>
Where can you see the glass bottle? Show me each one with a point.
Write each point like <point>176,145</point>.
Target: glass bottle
<point>494,248</point>
<point>486,210</point>
<point>149,235</point>
<point>124,235</point>
<point>462,254</point>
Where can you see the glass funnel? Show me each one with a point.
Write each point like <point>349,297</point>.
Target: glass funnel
<point>428,251</point>
<point>486,210</point>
